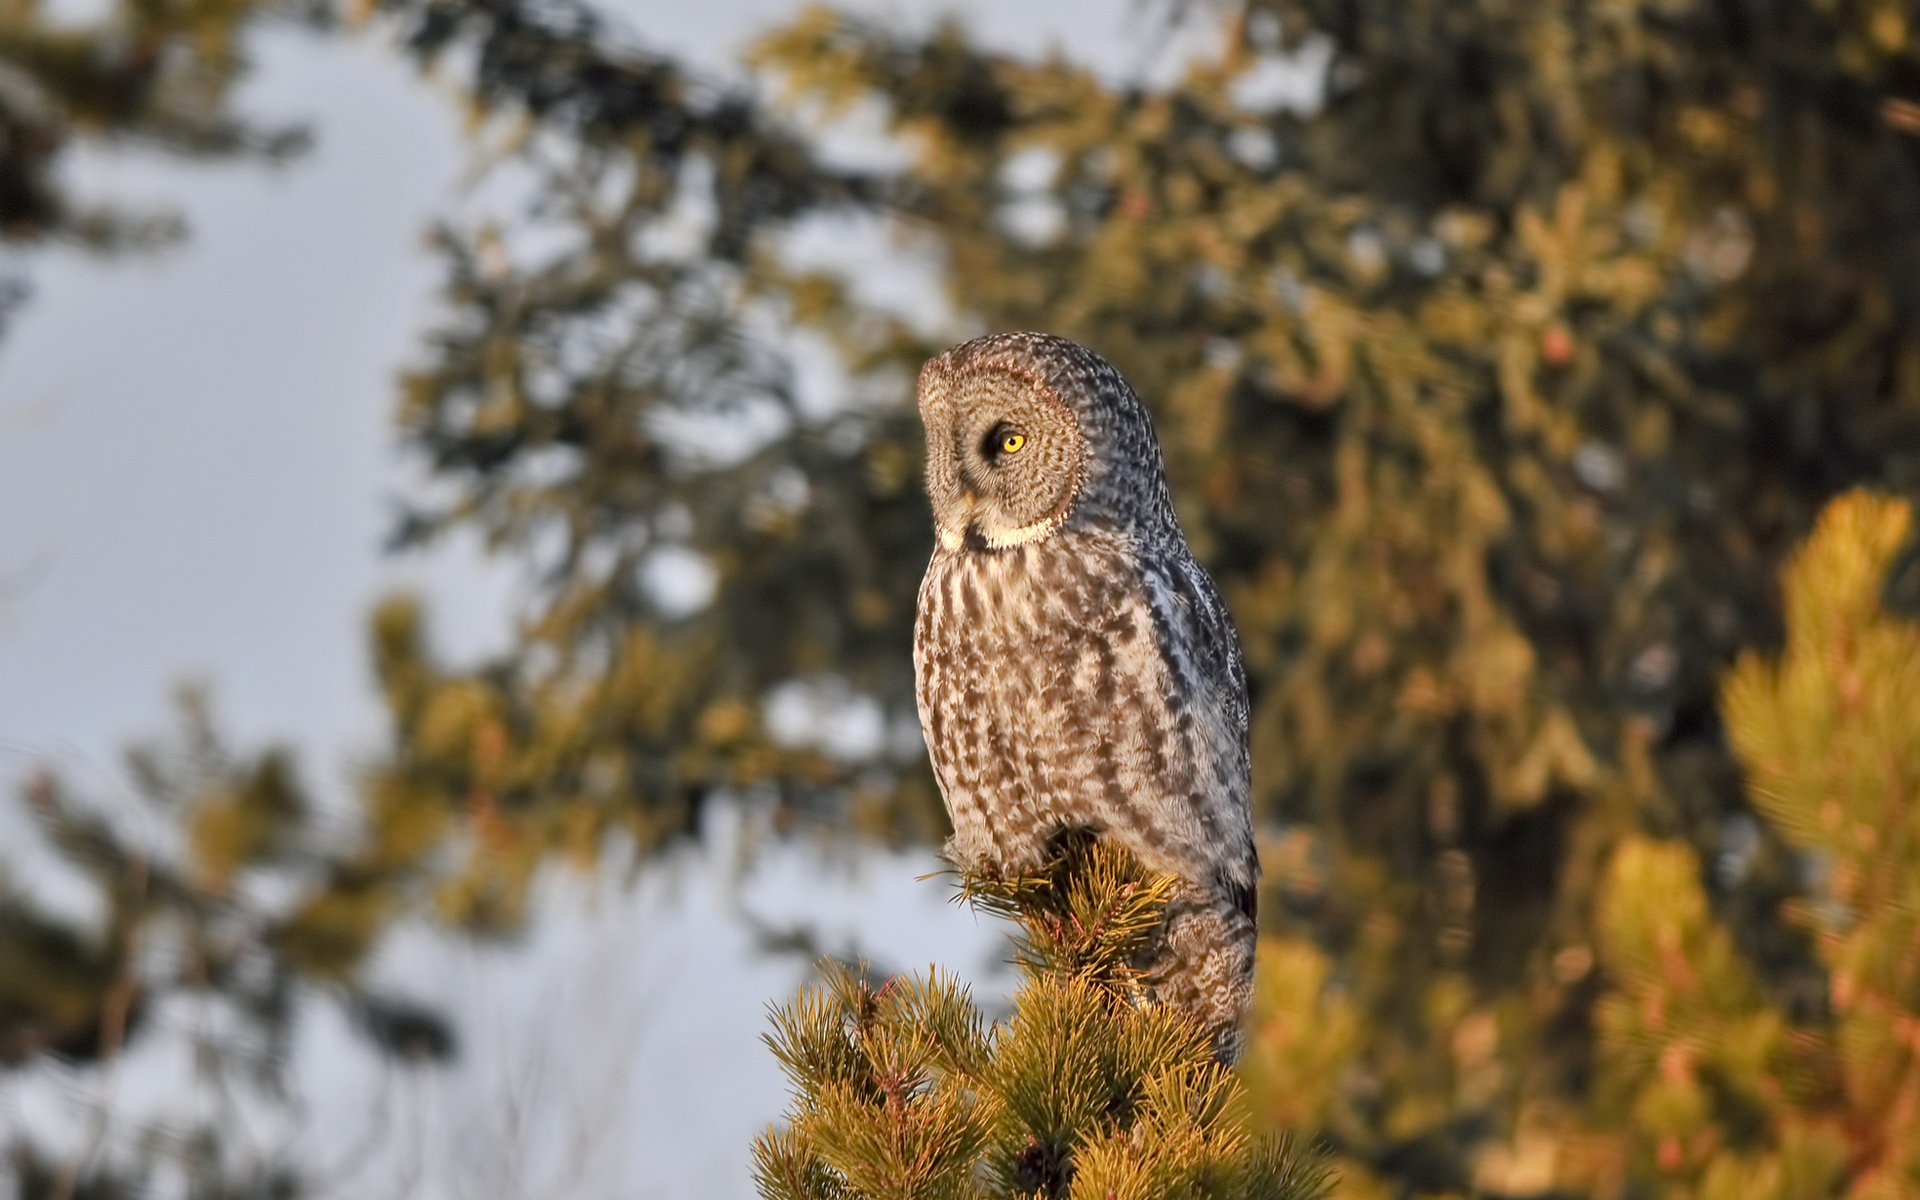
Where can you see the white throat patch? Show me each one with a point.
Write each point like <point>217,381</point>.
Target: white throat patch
<point>1004,539</point>
<point>1021,535</point>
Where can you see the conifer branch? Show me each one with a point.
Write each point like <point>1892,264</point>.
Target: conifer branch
<point>905,1090</point>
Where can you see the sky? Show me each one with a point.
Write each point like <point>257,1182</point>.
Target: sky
<point>201,493</point>
<point>207,501</point>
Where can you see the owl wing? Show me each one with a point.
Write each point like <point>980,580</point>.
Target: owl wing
<point>1216,643</point>
<point>1184,805</point>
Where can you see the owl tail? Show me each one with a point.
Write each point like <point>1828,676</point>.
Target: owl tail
<point>1203,963</point>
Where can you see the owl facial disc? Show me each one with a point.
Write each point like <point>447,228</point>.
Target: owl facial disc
<point>1004,455</point>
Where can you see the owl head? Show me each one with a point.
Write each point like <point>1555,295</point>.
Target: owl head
<point>1028,434</point>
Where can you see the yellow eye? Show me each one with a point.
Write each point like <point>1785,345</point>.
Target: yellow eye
<point>1011,443</point>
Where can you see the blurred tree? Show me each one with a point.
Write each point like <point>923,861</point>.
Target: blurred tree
<point>135,74</point>
<point>203,916</point>
<point>1708,1083</point>
<point>617,409</point>
<point>907,1091</point>
<point>1500,353</point>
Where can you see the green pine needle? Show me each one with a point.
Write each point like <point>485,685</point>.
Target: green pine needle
<point>905,1092</point>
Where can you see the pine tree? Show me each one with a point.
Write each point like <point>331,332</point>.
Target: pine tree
<point>215,908</point>
<point>1711,1083</point>
<point>906,1090</point>
<point>1498,373</point>
<point>158,76</point>
<point>1498,377</point>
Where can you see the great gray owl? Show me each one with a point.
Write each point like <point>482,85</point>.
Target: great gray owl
<point>1075,667</point>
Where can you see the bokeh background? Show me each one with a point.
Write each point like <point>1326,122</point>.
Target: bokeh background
<point>460,520</point>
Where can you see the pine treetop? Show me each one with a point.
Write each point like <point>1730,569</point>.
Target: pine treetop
<point>905,1089</point>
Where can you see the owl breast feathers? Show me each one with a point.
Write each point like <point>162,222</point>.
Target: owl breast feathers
<point>1075,667</point>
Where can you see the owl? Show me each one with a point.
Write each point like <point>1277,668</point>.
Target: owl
<point>1075,668</point>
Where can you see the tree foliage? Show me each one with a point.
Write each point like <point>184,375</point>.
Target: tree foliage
<point>208,917</point>
<point>1720,1088</point>
<point>1502,353</point>
<point>156,76</point>
<point>907,1090</point>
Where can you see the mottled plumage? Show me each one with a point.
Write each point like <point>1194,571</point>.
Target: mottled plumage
<point>1075,666</point>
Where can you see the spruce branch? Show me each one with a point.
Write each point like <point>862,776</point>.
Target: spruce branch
<point>1090,912</point>
<point>904,1090</point>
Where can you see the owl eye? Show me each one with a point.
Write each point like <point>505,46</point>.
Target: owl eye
<point>1001,441</point>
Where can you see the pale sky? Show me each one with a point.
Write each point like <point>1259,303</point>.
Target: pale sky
<point>202,492</point>
<point>196,468</point>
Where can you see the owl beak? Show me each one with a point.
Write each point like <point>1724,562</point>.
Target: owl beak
<point>959,519</point>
